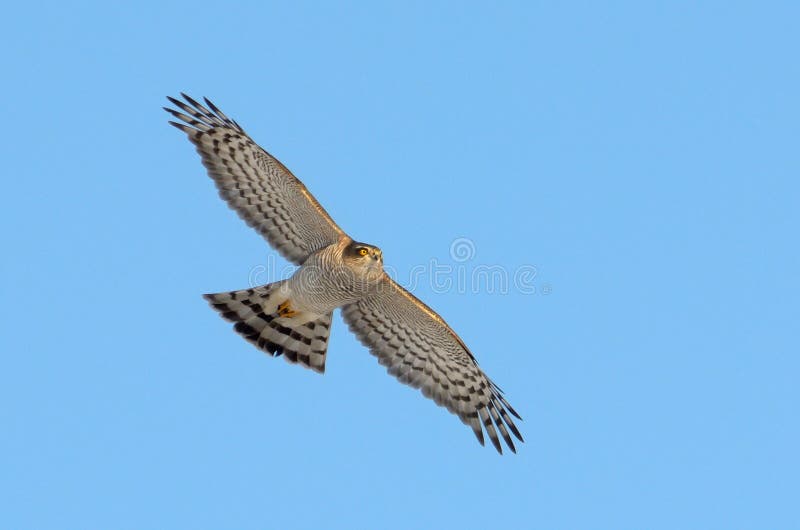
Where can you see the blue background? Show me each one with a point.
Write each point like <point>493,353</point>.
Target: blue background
<point>643,156</point>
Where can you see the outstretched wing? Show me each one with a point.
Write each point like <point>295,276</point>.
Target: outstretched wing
<point>255,184</point>
<point>418,347</point>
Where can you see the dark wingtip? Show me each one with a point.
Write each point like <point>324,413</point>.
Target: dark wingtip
<point>211,105</point>
<point>181,126</point>
<point>192,101</point>
<point>496,443</point>
<point>479,436</point>
<point>515,431</point>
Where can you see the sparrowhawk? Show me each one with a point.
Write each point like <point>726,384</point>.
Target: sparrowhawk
<point>292,317</point>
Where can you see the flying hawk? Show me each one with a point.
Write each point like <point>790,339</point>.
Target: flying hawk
<point>292,317</point>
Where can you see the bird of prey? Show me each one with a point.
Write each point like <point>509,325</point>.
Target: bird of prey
<point>292,317</point>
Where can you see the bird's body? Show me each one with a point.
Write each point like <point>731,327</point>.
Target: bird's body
<point>293,317</point>
<point>333,277</point>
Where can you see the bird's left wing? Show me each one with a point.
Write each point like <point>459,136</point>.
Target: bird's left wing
<point>418,347</point>
<point>255,184</point>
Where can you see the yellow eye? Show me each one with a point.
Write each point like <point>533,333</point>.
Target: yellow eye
<point>362,252</point>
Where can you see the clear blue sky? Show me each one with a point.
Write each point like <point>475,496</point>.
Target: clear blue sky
<point>642,156</point>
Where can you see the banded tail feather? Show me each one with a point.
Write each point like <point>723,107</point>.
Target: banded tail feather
<point>301,339</point>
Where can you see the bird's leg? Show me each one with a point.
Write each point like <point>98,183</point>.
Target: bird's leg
<point>285,310</point>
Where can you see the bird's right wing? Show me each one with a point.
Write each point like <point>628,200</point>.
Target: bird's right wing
<point>255,184</point>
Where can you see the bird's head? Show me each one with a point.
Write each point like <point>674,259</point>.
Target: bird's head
<point>364,258</point>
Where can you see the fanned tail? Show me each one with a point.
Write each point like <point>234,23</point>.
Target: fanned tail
<point>300,338</point>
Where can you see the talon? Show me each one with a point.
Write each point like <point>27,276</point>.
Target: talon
<point>284,310</point>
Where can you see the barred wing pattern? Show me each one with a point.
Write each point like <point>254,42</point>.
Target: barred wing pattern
<point>255,184</point>
<point>418,347</point>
